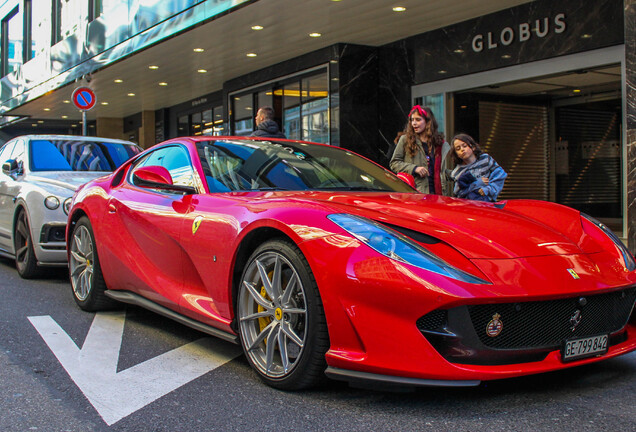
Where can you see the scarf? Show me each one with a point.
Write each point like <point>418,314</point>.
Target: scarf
<point>480,168</point>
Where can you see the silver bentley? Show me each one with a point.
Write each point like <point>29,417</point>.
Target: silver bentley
<point>39,175</point>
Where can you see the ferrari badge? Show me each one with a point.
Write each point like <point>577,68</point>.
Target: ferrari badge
<point>495,326</point>
<point>196,224</point>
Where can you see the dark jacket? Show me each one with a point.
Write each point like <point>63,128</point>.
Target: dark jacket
<point>269,129</point>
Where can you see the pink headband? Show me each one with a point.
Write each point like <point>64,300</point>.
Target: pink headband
<point>420,111</point>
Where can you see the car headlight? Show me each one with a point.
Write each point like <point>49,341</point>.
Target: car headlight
<point>51,202</point>
<point>67,205</point>
<point>630,264</point>
<point>399,247</point>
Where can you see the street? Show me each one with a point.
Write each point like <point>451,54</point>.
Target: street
<point>137,371</point>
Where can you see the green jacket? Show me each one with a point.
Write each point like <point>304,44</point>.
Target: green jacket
<point>401,161</point>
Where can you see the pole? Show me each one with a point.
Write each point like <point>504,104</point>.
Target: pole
<point>84,126</point>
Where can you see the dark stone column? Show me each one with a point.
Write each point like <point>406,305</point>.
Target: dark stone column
<point>630,78</point>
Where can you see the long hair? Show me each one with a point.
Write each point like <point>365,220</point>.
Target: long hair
<point>432,137</point>
<point>465,138</point>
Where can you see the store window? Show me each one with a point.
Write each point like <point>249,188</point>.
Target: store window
<point>37,22</point>
<point>12,41</point>
<point>207,122</point>
<point>301,104</point>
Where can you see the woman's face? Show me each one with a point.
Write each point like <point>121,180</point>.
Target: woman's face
<point>418,123</point>
<point>463,150</point>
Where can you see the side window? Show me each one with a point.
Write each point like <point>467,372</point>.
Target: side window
<point>175,159</point>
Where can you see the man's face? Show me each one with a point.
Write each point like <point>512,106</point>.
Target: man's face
<point>259,117</point>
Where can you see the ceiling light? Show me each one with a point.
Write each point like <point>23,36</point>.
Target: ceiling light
<point>442,72</point>
<point>458,51</point>
<point>153,67</point>
<point>65,117</point>
<point>163,84</point>
<point>34,124</point>
<point>198,50</point>
<point>104,103</point>
<point>251,54</point>
<point>131,94</point>
<point>314,34</point>
<point>576,91</point>
<point>40,121</point>
<point>506,56</point>
<point>257,27</point>
<point>399,9</point>
<point>201,70</point>
<point>119,81</point>
<point>47,109</point>
<point>66,101</point>
<point>73,125</point>
<point>586,36</point>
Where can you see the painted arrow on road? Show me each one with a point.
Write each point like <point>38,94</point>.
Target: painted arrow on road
<point>116,395</point>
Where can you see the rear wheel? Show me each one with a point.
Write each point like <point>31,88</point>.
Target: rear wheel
<point>85,272</point>
<point>281,319</point>
<point>25,260</point>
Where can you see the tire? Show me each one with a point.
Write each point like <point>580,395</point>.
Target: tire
<point>87,281</point>
<point>281,320</point>
<point>25,260</point>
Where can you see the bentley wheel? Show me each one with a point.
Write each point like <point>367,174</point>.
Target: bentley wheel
<point>281,320</point>
<point>25,261</point>
<point>85,273</point>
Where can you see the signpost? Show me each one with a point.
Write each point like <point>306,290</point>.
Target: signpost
<point>84,99</point>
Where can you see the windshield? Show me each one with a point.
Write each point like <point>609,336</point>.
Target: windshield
<point>69,155</point>
<point>262,165</point>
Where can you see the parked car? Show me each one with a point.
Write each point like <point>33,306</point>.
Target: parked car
<point>320,262</point>
<point>39,175</point>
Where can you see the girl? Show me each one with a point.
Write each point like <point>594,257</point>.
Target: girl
<point>477,176</point>
<point>422,152</point>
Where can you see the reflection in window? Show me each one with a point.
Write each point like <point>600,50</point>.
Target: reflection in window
<point>69,14</point>
<point>12,41</point>
<point>40,26</point>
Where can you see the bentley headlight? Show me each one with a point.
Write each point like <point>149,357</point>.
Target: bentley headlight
<point>67,205</point>
<point>52,202</point>
<point>630,264</point>
<point>399,247</point>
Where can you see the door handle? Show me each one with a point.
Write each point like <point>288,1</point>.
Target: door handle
<point>112,209</point>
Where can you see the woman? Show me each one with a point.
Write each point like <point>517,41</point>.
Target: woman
<point>422,152</point>
<point>477,175</point>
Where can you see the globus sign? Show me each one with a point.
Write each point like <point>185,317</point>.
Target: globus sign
<point>84,98</point>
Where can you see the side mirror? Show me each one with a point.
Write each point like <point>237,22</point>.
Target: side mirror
<point>407,178</point>
<point>10,167</point>
<point>152,176</point>
<point>157,177</point>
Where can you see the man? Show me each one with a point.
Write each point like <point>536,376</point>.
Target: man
<point>265,124</point>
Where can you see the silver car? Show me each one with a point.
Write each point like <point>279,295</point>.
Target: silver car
<point>39,175</point>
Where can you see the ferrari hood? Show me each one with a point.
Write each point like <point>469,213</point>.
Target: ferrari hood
<point>70,180</point>
<point>477,230</point>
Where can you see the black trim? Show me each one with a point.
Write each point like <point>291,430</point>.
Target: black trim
<point>135,299</point>
<point>357,377</point>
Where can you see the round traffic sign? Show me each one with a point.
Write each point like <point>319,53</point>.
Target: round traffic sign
<point>84,98</point>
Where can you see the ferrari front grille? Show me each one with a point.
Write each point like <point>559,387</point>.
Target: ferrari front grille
<point>528,325</point>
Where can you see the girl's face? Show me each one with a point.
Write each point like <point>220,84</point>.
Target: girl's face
<point>463,151</point>
<point>418,123</point>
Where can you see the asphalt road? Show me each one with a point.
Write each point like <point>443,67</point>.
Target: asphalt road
<point>37,393</point>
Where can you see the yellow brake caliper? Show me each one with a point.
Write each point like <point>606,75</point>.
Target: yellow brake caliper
<point>264,322</point>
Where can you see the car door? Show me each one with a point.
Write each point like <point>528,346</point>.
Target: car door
<point>6,199</point>
<point>144,224</point>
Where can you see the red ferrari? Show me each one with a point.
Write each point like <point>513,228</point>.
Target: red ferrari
<point>322,263</point>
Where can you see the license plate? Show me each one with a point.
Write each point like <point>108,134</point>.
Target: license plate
<point>575,349</point>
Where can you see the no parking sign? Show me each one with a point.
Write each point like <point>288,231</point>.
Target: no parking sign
<point>84,98</point>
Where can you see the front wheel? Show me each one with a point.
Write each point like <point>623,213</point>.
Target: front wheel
<point>25,260</point>
<point>85,272</point>
<point>281,319</point>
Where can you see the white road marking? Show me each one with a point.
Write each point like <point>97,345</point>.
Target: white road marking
<point>116,395</point>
